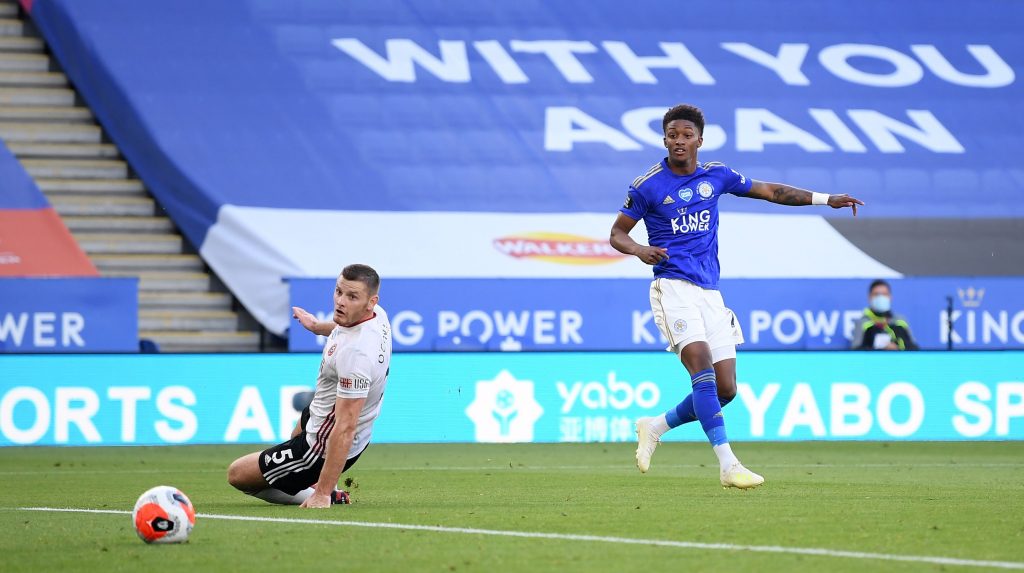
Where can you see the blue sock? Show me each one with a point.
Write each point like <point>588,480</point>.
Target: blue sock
<point>707,407</point>
<point>684,413</point>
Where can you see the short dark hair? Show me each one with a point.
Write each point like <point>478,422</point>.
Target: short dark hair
<point>879,282</point>
<point>364,274</point>
<point>685,112</point>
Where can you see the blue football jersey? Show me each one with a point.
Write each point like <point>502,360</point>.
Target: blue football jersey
<point>681,214</point>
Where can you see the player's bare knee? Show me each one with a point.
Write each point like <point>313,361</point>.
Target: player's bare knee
<point>236,474</point>
<point>727,393</point>
<point>696,356</point>
<point>233,474</point>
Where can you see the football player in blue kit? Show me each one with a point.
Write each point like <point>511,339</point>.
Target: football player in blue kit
<point>677,199</point>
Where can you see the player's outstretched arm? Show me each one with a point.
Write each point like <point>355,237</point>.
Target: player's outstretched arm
<point>625,244</point>
<point>787,195</point>
<point>339,442</point>
<point>310,323</point>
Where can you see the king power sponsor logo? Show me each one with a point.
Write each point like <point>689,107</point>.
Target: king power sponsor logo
<point>692,222</point>
<point>42,330</point>
<point>978,326</point>
<point>582,316</point>
<point>974,325</point>
<point>505,328</point>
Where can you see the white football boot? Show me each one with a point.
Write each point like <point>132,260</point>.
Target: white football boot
<point>738,476</point>
<point>646,443</point>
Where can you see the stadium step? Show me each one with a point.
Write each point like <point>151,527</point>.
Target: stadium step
<point>11,27</point>
<point>36,97</point>
<point>180,319</point>
<point>120,187</point>
<point>113,218</point>
<point>139,263</point>
<point>23,132</point>
<point>129,243</point>
<point>63,150</point>
<point>179,300</point>
<point>101,224</point>
<point>76,168</point>
<point>45,114</point>
<point>21,44</point>
<point>72,205</point>
<point>167,281</point>
<point>33,79</point>
<point>243,341</point>
<point>17,62</point>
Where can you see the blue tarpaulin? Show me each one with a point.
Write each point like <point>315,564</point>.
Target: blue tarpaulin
<point>283,137</point>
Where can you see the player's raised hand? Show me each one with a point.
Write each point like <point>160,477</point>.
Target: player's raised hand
<point>651,255</point>
<point>844,200</point>
<point>307,320</point>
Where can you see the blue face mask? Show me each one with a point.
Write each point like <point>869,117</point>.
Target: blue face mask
<point>881,303</point>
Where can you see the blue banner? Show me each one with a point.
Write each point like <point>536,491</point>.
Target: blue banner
<point>520,123</point>
<point>526,397</point>
<point>20,191</point>
<point>69,315</point>
<point>611,315</point>
<point>533,108</point>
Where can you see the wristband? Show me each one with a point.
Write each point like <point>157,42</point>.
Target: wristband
<point>819,198</point>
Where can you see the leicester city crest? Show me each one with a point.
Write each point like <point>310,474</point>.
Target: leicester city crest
<point>686,194</point>
<point>705,189</point>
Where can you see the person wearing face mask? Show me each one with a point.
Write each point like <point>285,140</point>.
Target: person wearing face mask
<point>880,328</point>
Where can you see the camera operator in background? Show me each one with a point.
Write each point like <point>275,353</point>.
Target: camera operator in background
<point>880,328</point>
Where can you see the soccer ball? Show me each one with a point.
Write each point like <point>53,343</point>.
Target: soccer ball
<point>163,515</point>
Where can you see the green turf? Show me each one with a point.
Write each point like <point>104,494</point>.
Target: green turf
<point>959,500</point>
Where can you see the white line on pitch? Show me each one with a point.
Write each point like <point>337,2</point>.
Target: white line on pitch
<point>67,471</point>
<point>595,538</point>
<point>623,466</point>
<point>627,466</point>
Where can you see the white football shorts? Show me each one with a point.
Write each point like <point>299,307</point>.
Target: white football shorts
<point>685,313</point>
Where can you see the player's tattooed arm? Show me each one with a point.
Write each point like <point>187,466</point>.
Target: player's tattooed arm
<point>779,193</point>
<point>787,195</point>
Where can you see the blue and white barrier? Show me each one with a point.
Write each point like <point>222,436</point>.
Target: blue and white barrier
<point>521,397</point>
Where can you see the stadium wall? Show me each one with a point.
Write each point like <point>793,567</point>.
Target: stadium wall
<point>519,397</point>
<point>68,314</point>
<point>614,314</point>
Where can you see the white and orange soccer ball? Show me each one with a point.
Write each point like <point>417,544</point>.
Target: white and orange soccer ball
<point>163,515</point>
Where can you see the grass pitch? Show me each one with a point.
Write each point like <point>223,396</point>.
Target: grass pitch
<point>962,501</point>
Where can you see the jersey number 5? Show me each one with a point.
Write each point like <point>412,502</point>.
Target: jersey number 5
<point>280,457</point>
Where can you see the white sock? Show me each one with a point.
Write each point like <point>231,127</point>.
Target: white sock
<point>281,498</point>
<point>659,426</point>
<point>725,456</point>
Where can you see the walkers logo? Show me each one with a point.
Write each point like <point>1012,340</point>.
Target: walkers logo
<point>504,409</point>
<point>558,248</point>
